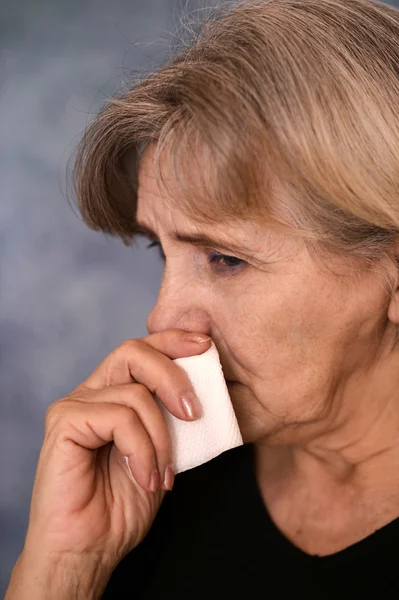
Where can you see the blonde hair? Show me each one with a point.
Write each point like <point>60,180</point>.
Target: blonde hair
<point>276,107</point>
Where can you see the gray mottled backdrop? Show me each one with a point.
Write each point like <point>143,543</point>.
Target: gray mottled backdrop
<point>67,295</point>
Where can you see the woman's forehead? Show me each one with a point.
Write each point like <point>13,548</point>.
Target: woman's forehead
<point>245,239</point>
<point>161,214</point>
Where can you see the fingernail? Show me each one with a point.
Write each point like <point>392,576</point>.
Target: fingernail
<point>198,338</point>
<point>169,478</point>
<point>154,481</point>
<point>191,405</point>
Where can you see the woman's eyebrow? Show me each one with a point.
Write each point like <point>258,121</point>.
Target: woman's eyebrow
<point>196,239</point>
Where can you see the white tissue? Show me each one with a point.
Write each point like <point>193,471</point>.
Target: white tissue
<point>197,442</point>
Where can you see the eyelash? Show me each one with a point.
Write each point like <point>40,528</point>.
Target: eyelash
<point>213,257</point>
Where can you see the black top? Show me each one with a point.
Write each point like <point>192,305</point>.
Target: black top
<point>213,538</point>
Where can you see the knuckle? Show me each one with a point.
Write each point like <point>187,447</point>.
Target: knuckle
<point>127,415</point>
<point>119,353</point>
<point>131,394</point>
<point>81,392</point>
<point>54,413</point>
<point>142,391</point>
<point>127,346</point>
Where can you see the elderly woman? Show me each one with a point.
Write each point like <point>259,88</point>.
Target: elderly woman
<point>263,161</point>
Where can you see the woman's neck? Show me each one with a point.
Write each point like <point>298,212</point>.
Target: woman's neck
<point>322,509</point>
<point>327,489</point>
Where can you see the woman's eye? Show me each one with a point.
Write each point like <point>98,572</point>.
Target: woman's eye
<point>158,245</point>
<point>223,262</point>
<point>219,262</point>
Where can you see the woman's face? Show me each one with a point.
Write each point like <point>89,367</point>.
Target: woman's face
<point>295,341</point>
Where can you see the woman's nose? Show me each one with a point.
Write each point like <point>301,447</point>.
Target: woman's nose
<point>174,312</point>
<point>159,318</point>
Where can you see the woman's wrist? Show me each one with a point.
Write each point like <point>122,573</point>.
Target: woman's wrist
<point>45,577</point>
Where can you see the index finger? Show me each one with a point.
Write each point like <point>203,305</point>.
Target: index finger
<point>148,360</point>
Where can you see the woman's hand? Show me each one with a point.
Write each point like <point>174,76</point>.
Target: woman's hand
<point>86,508</point>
